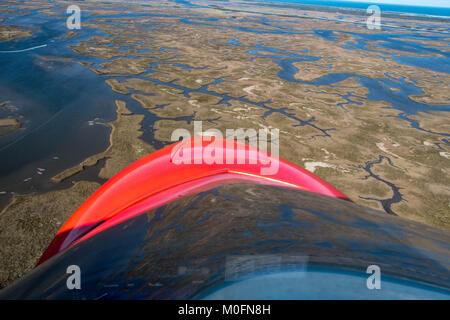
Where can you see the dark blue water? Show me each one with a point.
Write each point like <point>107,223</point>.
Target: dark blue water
<point>62,105</point>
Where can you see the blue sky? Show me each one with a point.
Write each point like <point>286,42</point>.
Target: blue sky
<point>425,3</point>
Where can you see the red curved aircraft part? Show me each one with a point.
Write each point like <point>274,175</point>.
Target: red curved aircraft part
<point>183,168</point>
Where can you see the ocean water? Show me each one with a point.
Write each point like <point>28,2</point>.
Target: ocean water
<point>414,10</point>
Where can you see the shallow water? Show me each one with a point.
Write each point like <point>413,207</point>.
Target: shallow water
<point>62,105</point>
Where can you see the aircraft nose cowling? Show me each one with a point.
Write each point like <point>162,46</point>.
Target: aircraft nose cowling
<point>180,169</point>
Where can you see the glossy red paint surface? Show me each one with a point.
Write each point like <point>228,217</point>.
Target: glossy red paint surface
<point>175,171</point>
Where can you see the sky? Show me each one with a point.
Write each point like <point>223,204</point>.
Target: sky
<point>425,3</point>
